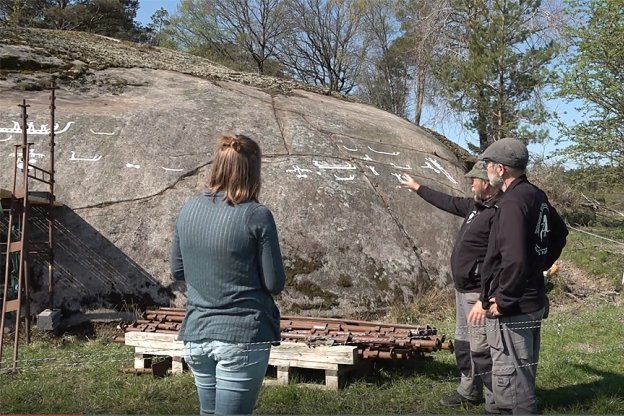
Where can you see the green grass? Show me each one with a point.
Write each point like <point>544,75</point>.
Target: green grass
<point>583,361</point>
<point>597,256</point>
<point>581,371</point>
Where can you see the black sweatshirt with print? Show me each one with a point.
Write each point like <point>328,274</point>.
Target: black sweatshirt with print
<point>472,240</point>
<point>527,237</point>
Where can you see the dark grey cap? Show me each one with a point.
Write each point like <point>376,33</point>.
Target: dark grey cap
<point>508,151</point>
<point>478,171</point>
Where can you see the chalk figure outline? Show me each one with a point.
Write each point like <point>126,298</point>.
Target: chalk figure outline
<point>30,129</point>
<point>299,171</point>
<point>440,168</point>
<point>406,167</point>
<point>372,169</point>
<point>321,165</point>
<point>384,153</point>
<point>103,133</point>
<point>85,159</point>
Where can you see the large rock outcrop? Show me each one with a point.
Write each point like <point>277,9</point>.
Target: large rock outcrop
<point>136,127</point>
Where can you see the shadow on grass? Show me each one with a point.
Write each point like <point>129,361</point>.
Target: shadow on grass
<point>384,371</point>
<point>583,395</point>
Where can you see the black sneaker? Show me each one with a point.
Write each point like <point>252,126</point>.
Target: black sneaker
<point>456,400</point>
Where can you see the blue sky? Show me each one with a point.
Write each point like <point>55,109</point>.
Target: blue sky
<point>148,7</point>
<point>454,131</point>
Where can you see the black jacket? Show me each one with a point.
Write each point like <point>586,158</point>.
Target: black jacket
<point>527,237</point>
<point>472,240</point>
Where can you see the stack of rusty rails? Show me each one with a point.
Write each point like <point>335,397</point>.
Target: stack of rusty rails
<point>144,325</point>
<point>374,340</point>
<point>334,346</point>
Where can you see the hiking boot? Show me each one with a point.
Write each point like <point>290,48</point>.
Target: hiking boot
<point>456,400</point>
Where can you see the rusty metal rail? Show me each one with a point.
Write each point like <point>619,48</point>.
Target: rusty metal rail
<point>373,340</point>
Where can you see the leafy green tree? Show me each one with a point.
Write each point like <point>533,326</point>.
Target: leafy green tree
<point>495,66</point>
<point>158,25</point>
<point>29,13</point>
<point>111,17</point>
<point>64,15</point>
<point>105,17</point>
<point>594,76</point>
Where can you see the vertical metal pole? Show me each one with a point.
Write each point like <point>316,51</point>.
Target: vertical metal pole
<point>24,214</point>
<point>25,249</point>
<point>51,204</point>
<point>7,276</point>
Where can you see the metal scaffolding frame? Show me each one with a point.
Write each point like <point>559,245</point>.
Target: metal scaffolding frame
<point>19,245</point>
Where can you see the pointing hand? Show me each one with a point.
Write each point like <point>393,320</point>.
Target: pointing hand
<point>408,182</point>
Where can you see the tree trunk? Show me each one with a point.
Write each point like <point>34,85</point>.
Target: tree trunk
<point>420,96</point>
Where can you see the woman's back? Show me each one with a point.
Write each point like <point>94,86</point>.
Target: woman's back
<point>231,262</point>
<point>225,247</point>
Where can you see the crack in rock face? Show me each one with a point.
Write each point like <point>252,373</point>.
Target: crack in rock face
<point>134,143</point>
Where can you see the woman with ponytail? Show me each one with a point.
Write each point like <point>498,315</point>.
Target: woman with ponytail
<point>225,247</point>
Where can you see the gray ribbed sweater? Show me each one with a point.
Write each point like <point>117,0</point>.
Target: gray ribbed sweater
<point>230,258</point>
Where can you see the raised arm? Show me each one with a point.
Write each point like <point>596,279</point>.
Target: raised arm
<point>452,204</point>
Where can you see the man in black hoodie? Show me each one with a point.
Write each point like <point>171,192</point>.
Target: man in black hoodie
<point>527,237</point>
<point>471,349</point>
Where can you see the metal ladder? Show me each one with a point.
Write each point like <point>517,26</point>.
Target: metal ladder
<point>19,245</point>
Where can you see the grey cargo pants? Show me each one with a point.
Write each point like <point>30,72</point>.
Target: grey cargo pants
<point>472,353</point>
<point>514,345</point>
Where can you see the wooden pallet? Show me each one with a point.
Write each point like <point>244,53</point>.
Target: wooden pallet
<point>335,361</point>
<point>153,344</point>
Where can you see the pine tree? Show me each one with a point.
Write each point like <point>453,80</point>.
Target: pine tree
<point>495,66</point>
<point>594,77</point>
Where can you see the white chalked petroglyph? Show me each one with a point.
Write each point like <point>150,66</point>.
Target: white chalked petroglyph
<point>372,169</point>
<point>130,165</point>
<point>399,177</point>
<point>383,153</point>
<point>85,159</point>
<point>440,168</point>
<point>347,178</point>
<point>15,129</point>
<point>402,179</point>
<point>406,167</point>
<point>349,149</point>
<point>30,129</point>
<point>99,132</point>
<point>322,165</point>
<point>172,170</point>
<point>35,155</point>
<point>428,165</point>
<point>32,157</point>
<point>299,171</point>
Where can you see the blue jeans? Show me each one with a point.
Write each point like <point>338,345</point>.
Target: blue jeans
<point>228,376</point>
